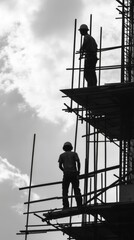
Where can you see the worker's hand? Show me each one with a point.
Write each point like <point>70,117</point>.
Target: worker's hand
<point>81,57</point>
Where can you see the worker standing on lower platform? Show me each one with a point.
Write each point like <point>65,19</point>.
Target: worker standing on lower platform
<point>89,50</point>
<point>69,163</point>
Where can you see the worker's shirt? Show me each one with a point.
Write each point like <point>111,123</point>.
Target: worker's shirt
<point>68,160</point>
<point>89,45</point>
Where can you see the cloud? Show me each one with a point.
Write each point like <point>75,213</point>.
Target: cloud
<point>55,18</point>
<point>36,66</point>
<point>9,173</point>
<point>36,74</point>
<point>35,69</point>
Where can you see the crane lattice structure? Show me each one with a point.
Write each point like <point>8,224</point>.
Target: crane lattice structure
<point>107,113</point>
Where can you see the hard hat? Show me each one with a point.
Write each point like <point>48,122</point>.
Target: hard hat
<point>83,27</point>
<point>67,145</point>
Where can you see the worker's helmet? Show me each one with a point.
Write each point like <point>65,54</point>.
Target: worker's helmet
<point>67,146</point>
<point>83,27</point>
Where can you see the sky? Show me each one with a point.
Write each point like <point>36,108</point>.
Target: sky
<point>36,45</point>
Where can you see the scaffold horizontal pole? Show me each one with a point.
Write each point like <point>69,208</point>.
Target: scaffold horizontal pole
<point>41,185</point>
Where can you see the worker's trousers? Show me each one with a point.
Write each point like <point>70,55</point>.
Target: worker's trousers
<point>89,70</point>
<point>67,179</point>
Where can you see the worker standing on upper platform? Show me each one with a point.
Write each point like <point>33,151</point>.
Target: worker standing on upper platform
<point>89,50</point>
<point>69,163</point>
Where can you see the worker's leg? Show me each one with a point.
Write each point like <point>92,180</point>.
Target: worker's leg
<point>89,71</point>
<point>93,66</point>
<point>90,76</point>
<point>75,184</point>
<point>93,78</point>
<point>65,187</point>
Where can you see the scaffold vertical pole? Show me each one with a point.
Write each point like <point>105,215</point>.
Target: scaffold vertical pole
<point>122,49</point>
<point>84,216</point>
<point>90,24</point>
<point>73,64</point>
<point>105,168</point>
<point>30,182</point>
<point>99,77</point>
<point>105,159</point>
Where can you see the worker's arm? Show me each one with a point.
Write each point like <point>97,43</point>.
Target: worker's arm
<point>61,166</point>
<point>78,163</point>
<point>61,163</point>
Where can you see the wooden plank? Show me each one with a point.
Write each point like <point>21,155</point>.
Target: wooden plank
<point>114,102</point>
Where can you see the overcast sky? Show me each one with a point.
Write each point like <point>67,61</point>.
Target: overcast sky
<point>36,41</point>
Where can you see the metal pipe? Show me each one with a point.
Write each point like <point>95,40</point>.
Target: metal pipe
<point>90,29</point>
<point>117,182</point>
<point>105,149</point>
<point>123,42</point>
<point>80,63</point>
<point>110,67</point>
<point>73,64</point>
<point>29,194</point>
<point>41,185</point>
<point>100,55</point>
<point>58,198</point>
<point>95,184</point>
<point>102,186</point>
<point>82,176</point>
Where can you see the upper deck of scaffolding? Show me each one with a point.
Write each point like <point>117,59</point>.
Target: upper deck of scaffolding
<point>110,108</point>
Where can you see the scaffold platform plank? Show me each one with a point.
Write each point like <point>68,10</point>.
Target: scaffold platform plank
<point>117,221</point>
<point>110,108</point>
<point>110,211</point>
<point>91,232</point>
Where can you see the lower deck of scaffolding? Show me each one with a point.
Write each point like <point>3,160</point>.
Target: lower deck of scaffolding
<point>113,221</point>
<point>109,108</point>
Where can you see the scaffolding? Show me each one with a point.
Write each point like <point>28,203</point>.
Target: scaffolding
<point>107,113</point>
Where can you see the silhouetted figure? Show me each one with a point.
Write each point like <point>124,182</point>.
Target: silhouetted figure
<point>89,50</point>
<point>69,163</point>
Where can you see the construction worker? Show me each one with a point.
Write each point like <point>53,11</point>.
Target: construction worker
<point>89,50</point>
<point>69,163</point>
